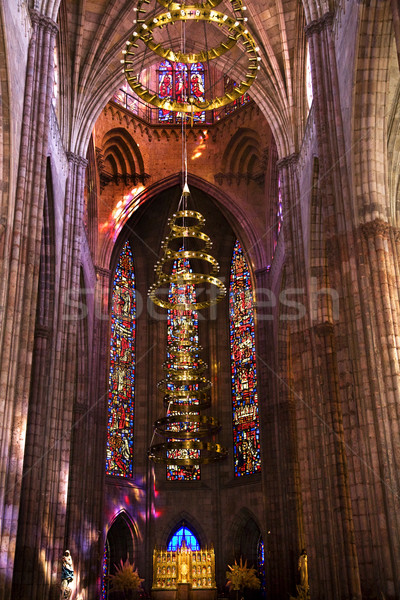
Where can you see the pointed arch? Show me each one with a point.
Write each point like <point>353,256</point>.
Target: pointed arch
<point>183,533</point>
<point>245,535</point>
<point>183,519</point>
<point>121,545</point>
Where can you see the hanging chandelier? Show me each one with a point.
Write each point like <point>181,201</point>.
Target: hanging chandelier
<point>234,30</point>
<point>188,434</point>
<point>187,266</point>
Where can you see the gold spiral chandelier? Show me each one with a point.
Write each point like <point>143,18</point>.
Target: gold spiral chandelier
<point>188,434</point>
<point>235,30</point>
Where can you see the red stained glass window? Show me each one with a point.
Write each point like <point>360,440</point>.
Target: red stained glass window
<point>246,430</point>
<point>122,369</point>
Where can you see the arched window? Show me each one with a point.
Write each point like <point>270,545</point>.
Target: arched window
<point>183,534</point>
<point>105,571</point>
<point>279,214</point>
<point>180,293</point>
<point>122,369</point>
<point>246,430</point>
<point>178,82</point>
<point>309,89</point>
<point>261,563</point>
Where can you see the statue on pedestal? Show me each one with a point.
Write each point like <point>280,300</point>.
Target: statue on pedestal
<point>303,568</point>
<point>67,575</point>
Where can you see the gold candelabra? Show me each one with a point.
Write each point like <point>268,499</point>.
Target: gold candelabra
<point>186,389</point>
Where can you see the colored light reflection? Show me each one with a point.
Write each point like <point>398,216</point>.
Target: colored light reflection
<point>198,151</point>
<point>121,212</point>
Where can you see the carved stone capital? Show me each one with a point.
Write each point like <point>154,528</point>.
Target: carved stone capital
<point>42,21</point>
<point>396,234</point>
<point>288,161</point>
<point>77,160</point>
<point>318,25</point>
<point>102,272</point>
<point>375,228</point>
<point>324,329</point>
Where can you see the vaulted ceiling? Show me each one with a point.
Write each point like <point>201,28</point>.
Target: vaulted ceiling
<point>93,34</point>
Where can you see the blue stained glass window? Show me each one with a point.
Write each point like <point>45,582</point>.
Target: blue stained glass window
<point>122,369</point>
<point>183,533</point>
<point>104,579</point>
<point>246,429</point>
<point>261,563</point>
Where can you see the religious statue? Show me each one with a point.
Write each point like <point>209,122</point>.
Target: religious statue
<point>303,568</point>
<point>67,575</point>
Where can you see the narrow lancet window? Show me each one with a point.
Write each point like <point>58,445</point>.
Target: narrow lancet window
<point>121,388</point>
<point>246,430</point>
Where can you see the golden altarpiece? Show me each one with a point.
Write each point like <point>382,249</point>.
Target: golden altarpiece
<point>194,569</point>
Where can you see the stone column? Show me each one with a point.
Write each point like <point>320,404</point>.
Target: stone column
<point>283,533</point>
<point>362,378</point>
<point>20,280</point>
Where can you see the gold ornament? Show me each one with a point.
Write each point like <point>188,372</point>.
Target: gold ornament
<point>186,389</point>
<point>236,30</point>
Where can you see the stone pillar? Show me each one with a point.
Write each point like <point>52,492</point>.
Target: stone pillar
<point>283,533</point>
<point>41,527</point>
<point>19,284</point>
<point>381,310</point>
<point>355,356</point>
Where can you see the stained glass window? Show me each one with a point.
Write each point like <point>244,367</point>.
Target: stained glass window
<point>122,369</point>
<point>165,87</point>
<point>197,89</point>
<point>177,83</point>
<point>181,293</point>
<point>177,538</point>
<point>279,214</point>
<point>309,89</point>
<point>229,86</point>
<point>246,432</point>
<point>261,562</point>
<point>104,579</point>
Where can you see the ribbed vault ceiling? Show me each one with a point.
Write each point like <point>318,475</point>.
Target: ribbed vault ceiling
<point>93,34</point>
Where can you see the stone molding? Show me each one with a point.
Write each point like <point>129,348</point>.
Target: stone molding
<point>324,329</point>
<point>287,161</point>
<point>375,228</point>
<point>77,160</point>
<point>319,25</point>
<point>102,271</point>
<point>396,234</point>
<point>44,22</point>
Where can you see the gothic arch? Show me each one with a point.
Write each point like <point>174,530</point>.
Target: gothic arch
<point>122,539</point>
<point>183,518</point>
<point>236,217</point>
<point>245,534</point>
<point>5,152</point>
<point>369,111</point>
<point>120,150</point>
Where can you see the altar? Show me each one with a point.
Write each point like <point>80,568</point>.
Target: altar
<point>184,574</point>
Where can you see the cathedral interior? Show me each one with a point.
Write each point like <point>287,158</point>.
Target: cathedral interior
<point>200,235</point>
